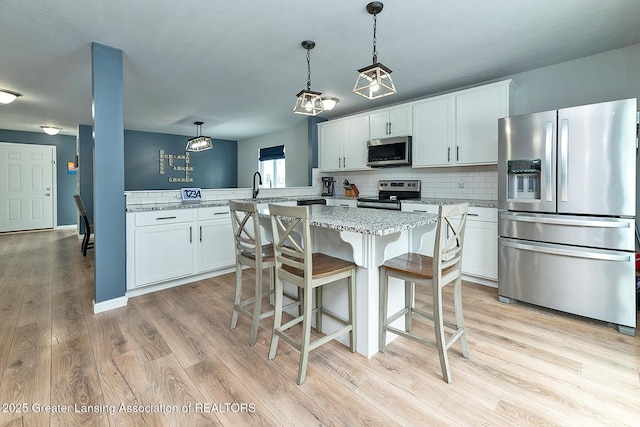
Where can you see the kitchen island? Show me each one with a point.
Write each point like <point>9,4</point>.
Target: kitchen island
<point>367,237</point>
<point>173,244</point>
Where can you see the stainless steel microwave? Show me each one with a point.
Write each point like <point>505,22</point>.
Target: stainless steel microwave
<point>387,152</point>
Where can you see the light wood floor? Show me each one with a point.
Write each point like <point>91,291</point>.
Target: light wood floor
<point>173,349</point>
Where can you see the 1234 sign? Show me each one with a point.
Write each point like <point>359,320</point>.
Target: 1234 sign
<point>191,194</point>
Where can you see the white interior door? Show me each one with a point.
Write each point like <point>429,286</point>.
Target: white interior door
<point>27,194</point>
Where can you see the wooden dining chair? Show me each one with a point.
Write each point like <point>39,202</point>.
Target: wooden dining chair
<point>88,227</point>
<point>436,272</point>
<point>253,253</point>
<point>297,264</point>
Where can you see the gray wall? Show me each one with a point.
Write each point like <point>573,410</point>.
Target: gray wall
<point>216,168</point>
<point>604,77</point>
<point>296,143</point>
<point>65,183</point>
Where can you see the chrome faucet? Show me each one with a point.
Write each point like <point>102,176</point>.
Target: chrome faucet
<point>256,189</point>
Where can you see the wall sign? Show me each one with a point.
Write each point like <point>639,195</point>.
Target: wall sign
<point>168,161</point>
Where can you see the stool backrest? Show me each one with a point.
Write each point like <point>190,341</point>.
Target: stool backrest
<point>246,230</point>
<point>291,241</point>
<point>447,251</point>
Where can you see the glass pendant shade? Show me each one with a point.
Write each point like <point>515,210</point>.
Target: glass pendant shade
<point>199,143</point>
<point>374,82</point>
<point>308,103</point>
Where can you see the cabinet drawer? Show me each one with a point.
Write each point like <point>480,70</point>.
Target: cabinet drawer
<point>419,207</point>
<point>215,212</point>
<point>173,216</point>
<point>483,214</point>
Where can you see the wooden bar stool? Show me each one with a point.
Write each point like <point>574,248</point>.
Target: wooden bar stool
<point>437,272</point>
<point>252,253</point>
<point>295,263</point>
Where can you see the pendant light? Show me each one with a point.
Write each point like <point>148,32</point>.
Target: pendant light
<point>309,102</point>
<point>374,81</point>
<point>199,143</point>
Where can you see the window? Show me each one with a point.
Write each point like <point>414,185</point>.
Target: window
<point>272,166</point>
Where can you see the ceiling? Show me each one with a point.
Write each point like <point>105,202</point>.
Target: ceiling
<point>237,65</point>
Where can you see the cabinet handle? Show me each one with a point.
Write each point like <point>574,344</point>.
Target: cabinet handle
<point>472,214</point>
<point>221,213</point>
<point>389,128</point>
<point>448,154</point>
<point>344,162</point>
<point>190,234</point>
<point>418,210</point>
<point>457,153</point>
<point>165,217</point>
<point>200,234</point>
<point>339,162</point>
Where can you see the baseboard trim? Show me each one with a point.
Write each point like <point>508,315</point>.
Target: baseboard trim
<point>109,304</point>
<point>66,227</point>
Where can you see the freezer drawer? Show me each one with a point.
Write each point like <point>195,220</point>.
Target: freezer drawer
<point>594,283</point>
<point>594,232</point>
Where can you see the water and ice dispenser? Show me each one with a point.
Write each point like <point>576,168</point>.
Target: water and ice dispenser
<point>524,179</point>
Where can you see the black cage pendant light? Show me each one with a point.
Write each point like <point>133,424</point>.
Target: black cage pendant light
<point>309,102</point>
<point>374,81</point>
<point>199,143</point>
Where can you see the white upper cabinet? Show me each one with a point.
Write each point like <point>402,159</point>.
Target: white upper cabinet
<point>342,144</point>
<point>460,128</point>
<point>433,131</point>
<point>395,121</point>
<point>477,114</point>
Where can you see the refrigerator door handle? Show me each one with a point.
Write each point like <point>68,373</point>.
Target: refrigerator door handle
<point>564,159</point>
<point>566,221</point>
<point>567,252</point>
<point>547,152</point>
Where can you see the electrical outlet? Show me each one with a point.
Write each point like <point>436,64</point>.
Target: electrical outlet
<point>461,184</point>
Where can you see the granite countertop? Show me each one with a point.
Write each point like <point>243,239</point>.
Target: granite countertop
<point>378,222</point>
<point>473,203</point>
<point>214,203</point>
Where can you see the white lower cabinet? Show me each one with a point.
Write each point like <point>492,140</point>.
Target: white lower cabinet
<point>175,244</point>
<point>215,239</point>
<point>480,252</point>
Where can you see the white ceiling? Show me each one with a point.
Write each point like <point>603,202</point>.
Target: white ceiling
<point>237,65</point>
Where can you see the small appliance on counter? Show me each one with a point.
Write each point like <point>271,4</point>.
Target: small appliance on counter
<point>328,188</point>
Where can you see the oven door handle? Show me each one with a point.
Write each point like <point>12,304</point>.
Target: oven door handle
<point>555,250</point>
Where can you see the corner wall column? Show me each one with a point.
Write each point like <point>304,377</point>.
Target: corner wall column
<point>108,177</point>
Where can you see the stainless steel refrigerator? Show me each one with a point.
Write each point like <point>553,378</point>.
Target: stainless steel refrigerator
<point>567,199</point>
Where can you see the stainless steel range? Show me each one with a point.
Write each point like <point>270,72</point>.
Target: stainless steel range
<point>390,194</point>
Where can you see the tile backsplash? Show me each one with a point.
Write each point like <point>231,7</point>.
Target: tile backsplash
<point>469,182</point>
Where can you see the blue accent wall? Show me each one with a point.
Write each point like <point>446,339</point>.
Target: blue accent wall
<point>65,183</point>
<point>312,140</point>
<point>108,172</point>
<point>84,147</point>
<point>216,168</point>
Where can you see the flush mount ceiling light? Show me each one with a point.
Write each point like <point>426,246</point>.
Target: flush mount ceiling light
<point>199,143</point>
<point>308,103</point>
<point>8,96</point>
<point>374,81</point>
<point>51,130</point>
<point>329,102</point>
